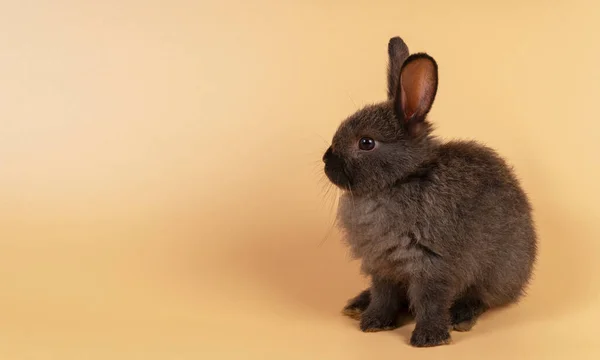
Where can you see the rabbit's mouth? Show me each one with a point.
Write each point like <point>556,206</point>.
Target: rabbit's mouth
<point>335,170</point>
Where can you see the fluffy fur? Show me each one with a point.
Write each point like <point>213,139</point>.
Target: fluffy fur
<point>442,229</point>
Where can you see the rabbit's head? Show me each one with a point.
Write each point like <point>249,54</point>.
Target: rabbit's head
<point>384,143</point>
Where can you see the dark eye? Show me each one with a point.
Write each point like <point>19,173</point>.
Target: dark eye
<point>366,144</point>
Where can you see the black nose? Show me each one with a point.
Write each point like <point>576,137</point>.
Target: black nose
<point>327,155</point>
<point>335,170</point>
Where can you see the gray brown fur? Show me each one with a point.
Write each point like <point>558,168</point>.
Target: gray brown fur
<point>443,229</point>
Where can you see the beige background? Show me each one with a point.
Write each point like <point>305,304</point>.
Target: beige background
<point>160,185</point>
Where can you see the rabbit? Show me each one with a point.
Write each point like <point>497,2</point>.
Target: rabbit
<point>443,230</point>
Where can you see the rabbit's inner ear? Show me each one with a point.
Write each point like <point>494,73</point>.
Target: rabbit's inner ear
<point>418,86</point>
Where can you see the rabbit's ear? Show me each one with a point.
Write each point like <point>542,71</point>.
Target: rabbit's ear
<point>416,93</point>
<point>397,52</point>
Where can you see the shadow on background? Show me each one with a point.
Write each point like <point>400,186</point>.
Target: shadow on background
<point>316,276</point>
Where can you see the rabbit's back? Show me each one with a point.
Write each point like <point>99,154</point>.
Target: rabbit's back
<point>488,225</point>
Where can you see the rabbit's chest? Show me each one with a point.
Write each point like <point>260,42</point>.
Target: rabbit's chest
<point>381,233</point>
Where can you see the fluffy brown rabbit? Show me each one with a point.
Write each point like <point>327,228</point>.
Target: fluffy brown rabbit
<point>443,229</point>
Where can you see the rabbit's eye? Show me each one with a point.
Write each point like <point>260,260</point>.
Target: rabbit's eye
<point>366,144</point>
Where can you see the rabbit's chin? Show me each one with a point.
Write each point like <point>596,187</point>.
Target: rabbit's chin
<point>338,178</point>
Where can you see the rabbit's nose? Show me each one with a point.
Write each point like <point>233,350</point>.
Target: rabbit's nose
<point>327,154</point>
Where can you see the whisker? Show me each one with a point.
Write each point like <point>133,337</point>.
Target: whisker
<point>322,138</point>
<point>334,221</point>
<point>351,99</point>
<point>353,205</point>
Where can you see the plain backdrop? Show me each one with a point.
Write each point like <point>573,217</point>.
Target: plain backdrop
<point>161,191</point>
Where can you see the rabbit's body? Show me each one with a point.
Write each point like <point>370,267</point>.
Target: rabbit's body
<point>462,215</point>
<point>441,228</point>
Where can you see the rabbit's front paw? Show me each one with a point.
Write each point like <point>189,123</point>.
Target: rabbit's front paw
<point>428,336</point>
<point>373,321</point>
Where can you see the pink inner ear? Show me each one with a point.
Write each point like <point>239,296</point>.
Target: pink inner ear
<point>407,113</point>
<point>417,85</point>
